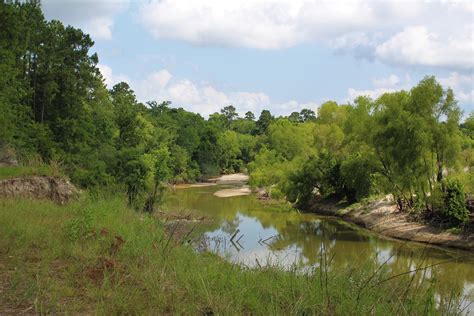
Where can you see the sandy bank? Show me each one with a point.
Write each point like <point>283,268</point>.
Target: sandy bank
<point>236,178</point>
<point>230,178</point>
<point>245,190</point>
<point>383,217</point>
<point>193,185</point>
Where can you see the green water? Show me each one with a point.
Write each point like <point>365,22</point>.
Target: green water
<point>268,235</point>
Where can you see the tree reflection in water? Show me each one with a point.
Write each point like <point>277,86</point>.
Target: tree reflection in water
<point>299,238</point>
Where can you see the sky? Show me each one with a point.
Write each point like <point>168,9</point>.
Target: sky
<point>280,55</point>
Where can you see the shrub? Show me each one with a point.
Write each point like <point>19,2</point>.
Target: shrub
<point>454,202</point>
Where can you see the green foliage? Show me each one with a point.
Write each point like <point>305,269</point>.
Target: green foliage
<point>230,113</point>
<point>359,174</point>
<point>243,126</point>
<point>132,171</point>
<point>319,174</point>
<point>249,116</point>
<point>288,139</point>
<point>228,143</point>
<point>468,126</point>
<point>455,202</point>
<point>80,226</point>
<point>262,169</point>
<point>263,122</point>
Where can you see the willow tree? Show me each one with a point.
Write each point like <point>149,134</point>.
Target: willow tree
<point>416,138</point>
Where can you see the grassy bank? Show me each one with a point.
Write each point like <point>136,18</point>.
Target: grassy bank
<point>39,169</point>
<point>98,256</point>
<point>22,171</point>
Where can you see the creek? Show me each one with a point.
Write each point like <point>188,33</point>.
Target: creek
<point>270,234</point>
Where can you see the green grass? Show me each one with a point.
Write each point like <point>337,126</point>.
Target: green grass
<point>21,171</point>
<point>71,259</point>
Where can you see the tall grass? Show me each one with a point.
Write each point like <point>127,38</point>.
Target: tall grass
<point>98,256</point>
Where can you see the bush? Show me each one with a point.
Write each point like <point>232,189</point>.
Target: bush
<point>454,202</point>
<point>357,173</point>
<point>276,193</point>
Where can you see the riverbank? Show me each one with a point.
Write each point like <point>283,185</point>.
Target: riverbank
<point>97,256</point>
<point>239,180</point>
<point>382,217</point>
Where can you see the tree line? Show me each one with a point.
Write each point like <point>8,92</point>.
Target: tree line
<point>54,104</point>
<point>410,144</point>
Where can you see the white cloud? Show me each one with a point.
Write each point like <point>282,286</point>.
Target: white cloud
<point>390,81</point>
<point>383,85</point>
<point>402,33</point>
<point>358,43</point>
<point>457,80</point>
<point>162,77</point>
<point>467,97</point>
<point>200,98</point>
<point>109,77</point>
<point>418,46</point>
<point>261,24</point>
<point>462,85</point>
<point>94,17</point>
<point>372,93</point>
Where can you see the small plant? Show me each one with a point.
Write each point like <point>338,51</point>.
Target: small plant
<point>80,226</point>
<point>56,167</point>
<point>454,230</point>
<point>276,193</point>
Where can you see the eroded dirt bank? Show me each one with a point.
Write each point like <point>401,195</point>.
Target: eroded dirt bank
<point>383,217</point>
<point>56,189</point>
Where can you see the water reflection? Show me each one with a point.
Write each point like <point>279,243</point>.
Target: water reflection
<point>267,236</point>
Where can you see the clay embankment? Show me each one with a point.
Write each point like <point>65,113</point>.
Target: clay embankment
<point>383,217</point>
<point>36,187</point>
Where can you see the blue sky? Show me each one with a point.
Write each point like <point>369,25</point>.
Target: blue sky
<point>276,54</point>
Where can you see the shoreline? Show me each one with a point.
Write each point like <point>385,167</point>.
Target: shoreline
<point>238,179</point>
<point>382,217</point>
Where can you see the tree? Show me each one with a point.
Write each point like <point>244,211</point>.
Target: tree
<point>307,115</point>
<point>263,122</point>
<point>161,173</point>
<point>416,137</point>
<point>219,121</point>
<point>319,173</point>
<point>288,139</point>
<point>249,116</point>
<point>126,115</point>
<point>332,113</point>
<point>230,113</point>
<point>468,126</point>
<point>295,117</point>
<point>132,171</point>
<point>207,153</point>
<point>229,147</point>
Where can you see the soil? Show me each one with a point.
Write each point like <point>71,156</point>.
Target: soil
<point>56,189</point>
<point>245,190</point>
<point>383,217</point>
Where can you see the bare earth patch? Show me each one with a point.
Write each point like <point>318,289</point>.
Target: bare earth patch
<point>383,217</point>
<point>245,190</point>
<point>36,187</point>
<point>236,177</point>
